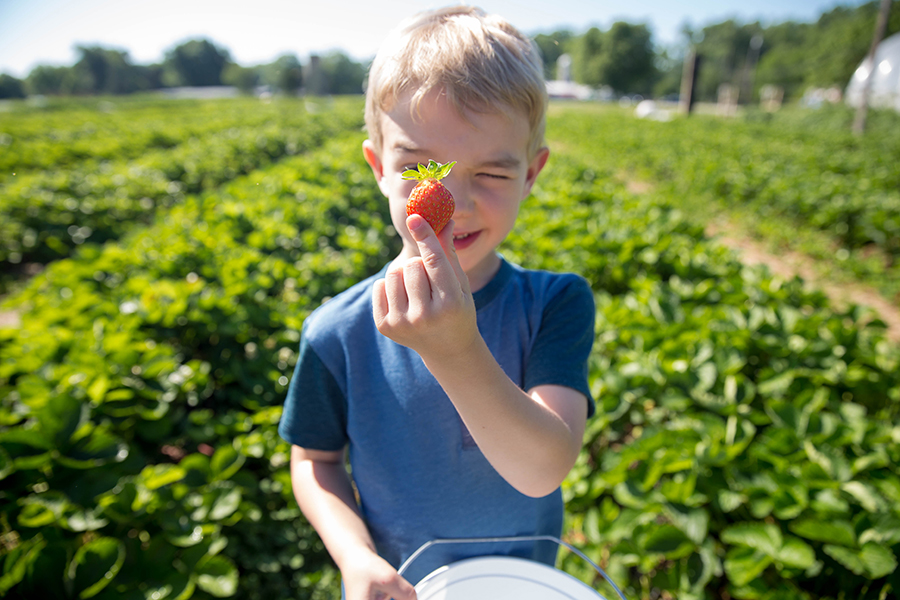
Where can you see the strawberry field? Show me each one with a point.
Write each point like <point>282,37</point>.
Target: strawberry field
<point>745,444</point>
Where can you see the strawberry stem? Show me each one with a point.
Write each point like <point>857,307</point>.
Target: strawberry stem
<point>434,170</point>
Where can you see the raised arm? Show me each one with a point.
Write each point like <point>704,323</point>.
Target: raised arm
<point>531,438</point>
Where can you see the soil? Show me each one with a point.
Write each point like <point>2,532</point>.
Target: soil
<point>791,264</point>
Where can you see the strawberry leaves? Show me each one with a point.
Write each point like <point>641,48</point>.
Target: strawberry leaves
<point>434,170</point>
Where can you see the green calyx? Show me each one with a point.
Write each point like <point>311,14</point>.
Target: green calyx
<point>434,170</point>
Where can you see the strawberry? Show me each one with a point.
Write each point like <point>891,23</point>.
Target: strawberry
<point>430,198</point>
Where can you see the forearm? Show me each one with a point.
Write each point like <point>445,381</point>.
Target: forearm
<point>325,496</point>
<point>529,444</point>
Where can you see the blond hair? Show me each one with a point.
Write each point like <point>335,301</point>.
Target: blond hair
<point>482,63</point>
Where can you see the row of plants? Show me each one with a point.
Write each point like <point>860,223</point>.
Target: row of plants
<point>745,442</point>
<point>141,394</point>
<point>107,129</point>
<point>805,171</point>
<point>47,214</point>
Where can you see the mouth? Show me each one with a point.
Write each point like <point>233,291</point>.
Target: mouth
<point>465,239</point>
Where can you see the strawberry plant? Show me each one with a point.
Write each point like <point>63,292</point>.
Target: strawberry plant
<point>738,418</point>
<point>744,443</point>
<point>47,214</point>
<point>142,393</point>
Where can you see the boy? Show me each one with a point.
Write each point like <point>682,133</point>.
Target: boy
<point>457,381</point>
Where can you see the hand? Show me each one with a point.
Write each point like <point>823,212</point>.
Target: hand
<point>426,303</point>
<point>373,578</point>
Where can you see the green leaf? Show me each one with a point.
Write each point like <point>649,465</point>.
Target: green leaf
<point>225,503</point>
<point>94,450</point>
<point>694,522</point>
<point>225,462</point>
<point>867,496</point>
<point>879,560</point>
<point>872,560</point>
<point>831,531</point>
<point>94,566</point>
<point>885,530</point>
<point>85,520</point>
<point>796,553</point>
<point>156,476</point>
<point>28,448</point>
<point>744,564</point>
<point>729,500</point>
<point>61,417</point>
<point>760,536</point>
<point>217,575</point>
<point>848,557</point>
<point>176,586</point>
<point>18,562</point>
<point>40,510</point>
<point>6,464</point>
<point>778,385</point>
<point>667,540</point>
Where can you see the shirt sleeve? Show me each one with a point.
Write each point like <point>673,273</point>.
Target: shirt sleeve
<point>315,410</point>
<point>560,352</point>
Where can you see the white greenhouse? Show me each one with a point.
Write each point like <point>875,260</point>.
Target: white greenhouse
<point>885,84</point>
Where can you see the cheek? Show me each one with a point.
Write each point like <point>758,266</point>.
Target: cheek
<point>501,202</point>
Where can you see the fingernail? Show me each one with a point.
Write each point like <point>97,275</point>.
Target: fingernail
<point>415,223</point>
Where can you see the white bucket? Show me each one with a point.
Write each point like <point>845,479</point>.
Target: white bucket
<point>503,577</point>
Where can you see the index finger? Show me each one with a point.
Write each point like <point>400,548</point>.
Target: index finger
<point>445,273</point>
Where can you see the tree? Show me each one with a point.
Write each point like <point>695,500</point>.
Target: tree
<point>334,73</point>
<point>622,58</point>
<point>194,63</point>
<point>101,71</point>
<point>551,47</point>
<point>587,58</point>
<point>723,49</point>
<point>629,53</point>
<point>345,76</point>
<point>11,87</point>
<point>46,80</point>
<point>287,74</point>
<point>243,78</point>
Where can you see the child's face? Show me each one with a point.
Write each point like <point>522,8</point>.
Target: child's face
<point>493,173</point>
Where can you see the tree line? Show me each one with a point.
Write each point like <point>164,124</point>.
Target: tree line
<point>195,63</point>
<point>793,56</point>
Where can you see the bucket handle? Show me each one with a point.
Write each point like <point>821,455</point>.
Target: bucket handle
<point>519,538</point>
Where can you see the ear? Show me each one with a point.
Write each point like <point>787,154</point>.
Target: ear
<point>371,155</point>
<point>534,168</point>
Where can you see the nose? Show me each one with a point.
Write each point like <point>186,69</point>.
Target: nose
<point>462,198</point>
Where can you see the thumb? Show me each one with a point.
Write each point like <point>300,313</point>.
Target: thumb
<point>399,588</point>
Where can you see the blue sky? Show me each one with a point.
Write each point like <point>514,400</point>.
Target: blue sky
<point>36,32</point>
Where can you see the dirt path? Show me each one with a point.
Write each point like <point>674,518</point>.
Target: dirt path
<point>792,264</point>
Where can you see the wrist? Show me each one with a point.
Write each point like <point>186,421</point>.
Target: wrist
<point>353,555</point>
<point>458,358</point>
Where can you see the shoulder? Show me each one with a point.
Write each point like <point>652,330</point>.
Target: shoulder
<point>551,288</point>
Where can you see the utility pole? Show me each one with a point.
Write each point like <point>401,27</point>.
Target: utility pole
<point>859,123</point>
<point>749,74</point>
<point>688,81</point>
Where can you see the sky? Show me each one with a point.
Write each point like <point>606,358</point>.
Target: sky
<point>34,32</point>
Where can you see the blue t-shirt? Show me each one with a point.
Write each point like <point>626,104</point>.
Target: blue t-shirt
<point>419,474</point>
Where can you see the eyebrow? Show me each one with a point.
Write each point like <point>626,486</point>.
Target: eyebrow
<point>406,148</point>
<point>501,162</point>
